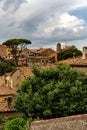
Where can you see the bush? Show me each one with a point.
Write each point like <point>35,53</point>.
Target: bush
<point>15,124</point>
<point>53,92</point>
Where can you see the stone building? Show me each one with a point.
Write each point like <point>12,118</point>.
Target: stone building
<point>41,56</point>
<point>9,83</point>
<point>5,52</point>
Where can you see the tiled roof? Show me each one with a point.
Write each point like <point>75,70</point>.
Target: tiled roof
<point>52,55</point>
<point>26,71</point>
<point>44,50</point>
<point>41,50</point>
<point>67,48</point>
<point>76,61</point>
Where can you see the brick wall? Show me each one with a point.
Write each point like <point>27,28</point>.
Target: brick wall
<point>78,122</point>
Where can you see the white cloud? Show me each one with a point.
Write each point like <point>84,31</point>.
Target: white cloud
<point>70,21</point>
<point>75,30</point>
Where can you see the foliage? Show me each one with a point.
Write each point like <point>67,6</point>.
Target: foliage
<point>15,124</point>
<point>72,52</point>
<point>2,59</point>
<point>1,120</point>
<point>6,66</point>
<point>17,42</point>
<point>28,122</point>
<point>53,92</point>
<point>17,46</point>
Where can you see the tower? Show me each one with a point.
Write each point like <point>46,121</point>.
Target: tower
<point>58,48</point>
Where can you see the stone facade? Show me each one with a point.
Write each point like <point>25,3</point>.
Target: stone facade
<point>5,52</point>
<point>37,57</point>
<point>9,83</point>
<point>78,122</point>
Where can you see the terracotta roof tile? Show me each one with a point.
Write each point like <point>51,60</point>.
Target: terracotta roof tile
<point>26,71</point>
<point>77,61</point>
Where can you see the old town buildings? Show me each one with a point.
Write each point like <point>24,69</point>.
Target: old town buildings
<point>9,82</point>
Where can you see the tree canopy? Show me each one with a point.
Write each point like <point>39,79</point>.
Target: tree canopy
<point>72,52</point>
<point>6,66</point>
<point>54,92</point>
<point>17,46</point>
<point>14,43</point>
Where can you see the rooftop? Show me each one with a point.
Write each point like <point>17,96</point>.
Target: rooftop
<point>76,61</point>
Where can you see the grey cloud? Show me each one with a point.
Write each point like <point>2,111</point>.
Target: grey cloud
<point>12,4</point>
<point>31,25</point>
<point>63,35</point>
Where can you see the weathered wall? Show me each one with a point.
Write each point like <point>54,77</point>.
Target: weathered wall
<point>10,114</point>
<point>2,81</point>
<point>78,122</point>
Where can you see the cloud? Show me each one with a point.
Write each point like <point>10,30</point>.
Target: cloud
<point>44,22</point>
<point>11,5</point>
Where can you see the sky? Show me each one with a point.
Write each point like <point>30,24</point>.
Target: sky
<point>44,22</point>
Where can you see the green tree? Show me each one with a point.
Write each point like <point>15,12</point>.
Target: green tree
<point>17,46</point>
<point>15,124</point>
<point>53,92</point>
<point>72,52</point>
<point>6,66</point>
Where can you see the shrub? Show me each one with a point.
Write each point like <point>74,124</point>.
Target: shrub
<point>15,124</point>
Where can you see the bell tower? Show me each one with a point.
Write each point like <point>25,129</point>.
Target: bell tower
<point>58,49</point>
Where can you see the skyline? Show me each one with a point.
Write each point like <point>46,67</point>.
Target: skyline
<point>44,22</point>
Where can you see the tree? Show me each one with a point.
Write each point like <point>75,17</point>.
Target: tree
<point>54,92</point>
<point>17,46</point>
<point>72,52</point>
<point>6,66</point>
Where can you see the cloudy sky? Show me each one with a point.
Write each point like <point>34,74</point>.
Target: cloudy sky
<point>44,22</point>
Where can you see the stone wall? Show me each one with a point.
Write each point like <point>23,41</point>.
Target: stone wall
<point>78,122</point>
<point>10,114</point>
